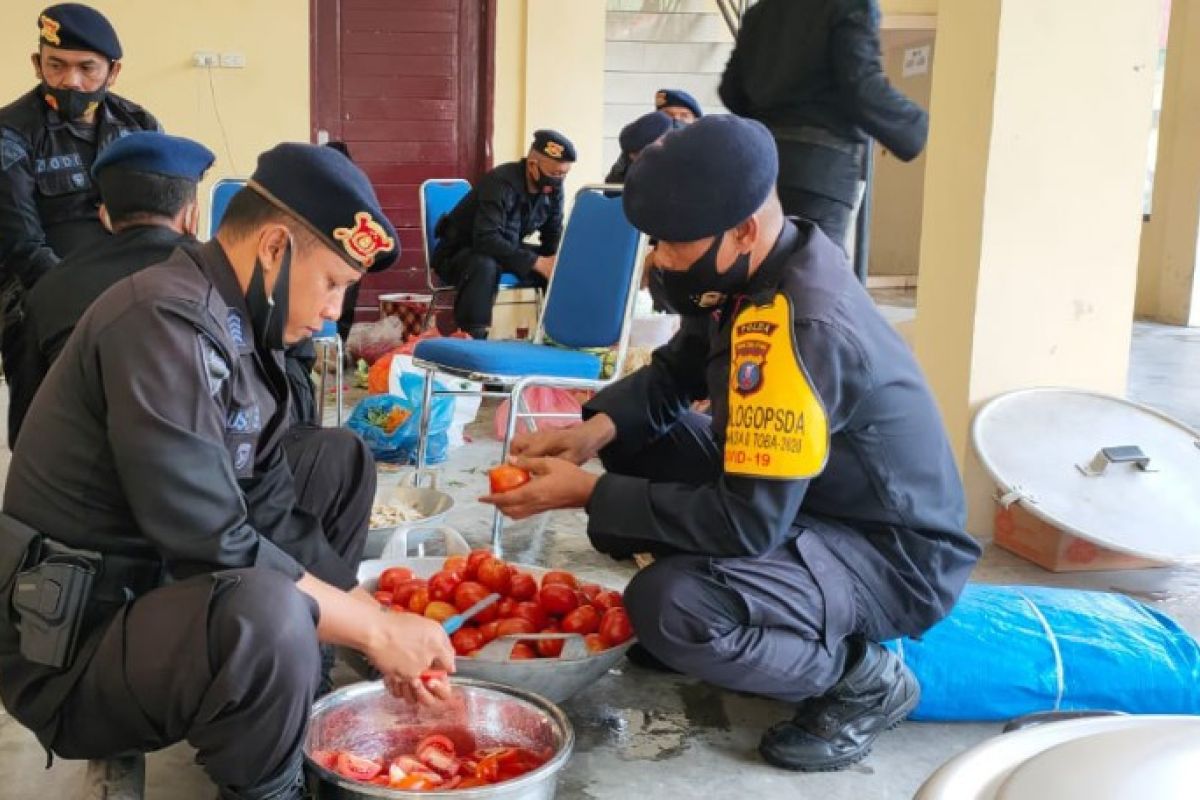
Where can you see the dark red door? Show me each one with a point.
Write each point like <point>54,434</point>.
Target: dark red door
<point>407,85</point>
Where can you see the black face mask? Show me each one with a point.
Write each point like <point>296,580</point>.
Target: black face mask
<point>700,288</point>
<point>71,104</point>
<point>547,183</point>
<point>269,315</point>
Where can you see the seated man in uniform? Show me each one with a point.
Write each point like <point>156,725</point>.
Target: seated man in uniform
<point>153,462</point>
<point>676,104</point>
<point>635,137</point>
<point>147,184</point>
<point>817,512</point>
<point>484,235</point>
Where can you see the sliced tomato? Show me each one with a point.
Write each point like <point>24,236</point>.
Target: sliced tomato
<point>326,758</point>
<point>451,784</point>
<point>438,760</point>
<point>488,769</point>
<point>406,764</point>
<point>471,783</point>
<point>418,782</point>
<point>437,740</point>
<point>435,676</point>
<point>381,780</point>
<point>356,768</point>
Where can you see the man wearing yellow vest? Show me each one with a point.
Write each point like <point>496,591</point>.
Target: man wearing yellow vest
<point>817,512</point>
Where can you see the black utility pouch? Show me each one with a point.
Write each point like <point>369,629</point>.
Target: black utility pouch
<point>50,600</point>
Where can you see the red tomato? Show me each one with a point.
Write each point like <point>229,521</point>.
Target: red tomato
<point>489,630</point>
<point>433,676</point>
<point>405,590</point>
<point>355,768</point>
<point>383,598</point>
<point>440,611</point>
<point>443,584</point>
<point>393,576</point>
<point>532,612</point>
<point>585,619</point>
<point>417,781</point>
<point>557,599</point>
<point>443,743</point>
<point>517,761</point>
<point>488,769</point>
<point>467,640</point>
<point>471,783</point>
<point>590,590</point>
<point>550,648</point>
<point>474,560</point>
<point>606,600</point>
<point>467,594</point>
<point>418,601</point>
<point>506,608</point>
<point>407,764</point>
<point>514,626</point>
<point>522,651</point>
<point>455,564</point>
<point>506,477</point>
<point>615,626</point>
<point>523,587</point>
<point>594,643</point>
<point>495,575</point>
<point>559,576</point>
<point>437,759</point>
<point>326,758</point>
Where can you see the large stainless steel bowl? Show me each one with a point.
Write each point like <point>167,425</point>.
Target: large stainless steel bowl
<point>554,678</point>
<point>366,720</point>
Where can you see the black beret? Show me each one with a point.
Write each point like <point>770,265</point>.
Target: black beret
<point>643,131</point>
<point>553,145</point>
<point>156,153</point>
<point>666,98</point>
<point>74,26</point>
<point>332,197</point>
<point>703,179</point>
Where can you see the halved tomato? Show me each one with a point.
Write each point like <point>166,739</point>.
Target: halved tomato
<point>356,768</point>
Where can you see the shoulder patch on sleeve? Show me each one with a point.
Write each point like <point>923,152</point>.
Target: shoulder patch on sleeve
<point>777,426</point>
<point>12,149</point>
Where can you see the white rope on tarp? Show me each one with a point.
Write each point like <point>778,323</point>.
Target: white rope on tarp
<point>1060,674</point>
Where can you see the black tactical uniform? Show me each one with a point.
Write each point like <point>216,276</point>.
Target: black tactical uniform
<point>158,441</point>
<point>48,201</point>
<point>55,304</point>
<point>810,71</point>
<point>485,235</point>
<point>765,578</point>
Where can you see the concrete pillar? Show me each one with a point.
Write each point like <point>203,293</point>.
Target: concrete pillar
<point>1040,117</point>
<point>1168,284</point>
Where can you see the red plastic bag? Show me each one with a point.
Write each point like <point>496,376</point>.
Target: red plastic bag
<point>541,400</point>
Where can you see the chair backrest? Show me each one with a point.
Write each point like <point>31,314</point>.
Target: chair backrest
<point>590,298</point>
<point>439,196</point>
<point>218,201</point>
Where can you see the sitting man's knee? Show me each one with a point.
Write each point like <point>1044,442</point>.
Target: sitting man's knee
<point>264,610</point>
<point>676,600</point>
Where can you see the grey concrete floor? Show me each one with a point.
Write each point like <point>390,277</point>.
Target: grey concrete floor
<point>651,735</point>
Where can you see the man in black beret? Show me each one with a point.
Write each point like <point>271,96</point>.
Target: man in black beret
<point>810,70</point>
<point>817,511</point>
<point>154,461</point>
<point>635,137</point>
<point>147,183</point>
<point>484,235</point>
<point>49,138</point>
<point>676,104</point>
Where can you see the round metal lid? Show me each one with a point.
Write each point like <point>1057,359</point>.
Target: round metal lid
<point>1119,474</point>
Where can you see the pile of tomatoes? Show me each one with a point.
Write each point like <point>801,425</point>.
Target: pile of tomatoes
<point>435,765</point>
<point>560,604</point>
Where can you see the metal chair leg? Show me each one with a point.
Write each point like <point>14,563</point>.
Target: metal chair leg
<point>321,384</point>
<point>515,402</point>
<point>426,416</point>
<point>341,380</point>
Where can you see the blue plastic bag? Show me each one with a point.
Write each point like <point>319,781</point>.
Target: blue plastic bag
<point>400,446</point>
<point>1006,651</point>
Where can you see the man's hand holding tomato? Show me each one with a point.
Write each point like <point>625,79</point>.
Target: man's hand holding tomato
<point>554,483</point>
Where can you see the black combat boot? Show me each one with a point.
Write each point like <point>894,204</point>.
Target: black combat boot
<point>837,729</point>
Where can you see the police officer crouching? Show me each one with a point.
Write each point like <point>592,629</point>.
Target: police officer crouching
<point>484,235</point>
<point>170,578</point>
<point>147,184</point>
<point>817,512</point>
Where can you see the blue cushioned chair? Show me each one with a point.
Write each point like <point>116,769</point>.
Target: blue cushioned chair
<point>218,200</point>
<point>589,304</point>
<point>439,196</point>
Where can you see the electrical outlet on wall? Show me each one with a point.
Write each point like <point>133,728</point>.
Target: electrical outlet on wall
<point>203,58</point>
<point>233,60</point>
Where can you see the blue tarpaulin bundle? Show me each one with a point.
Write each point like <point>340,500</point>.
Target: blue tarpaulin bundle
<point>1006,651</point>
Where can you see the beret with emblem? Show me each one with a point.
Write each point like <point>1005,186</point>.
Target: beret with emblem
<point>74,26</point>
<point>702,180</point>
<point>643,131</point>
<point>677,98</point>
<point>156,153</point>
<point>332,197</point>
<point>553,145</point>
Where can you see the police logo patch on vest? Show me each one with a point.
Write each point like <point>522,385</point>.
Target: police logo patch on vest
<point>777,427</point>
<point>365,240</point>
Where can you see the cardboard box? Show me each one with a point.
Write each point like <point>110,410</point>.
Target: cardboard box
<point>1052,548</point>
